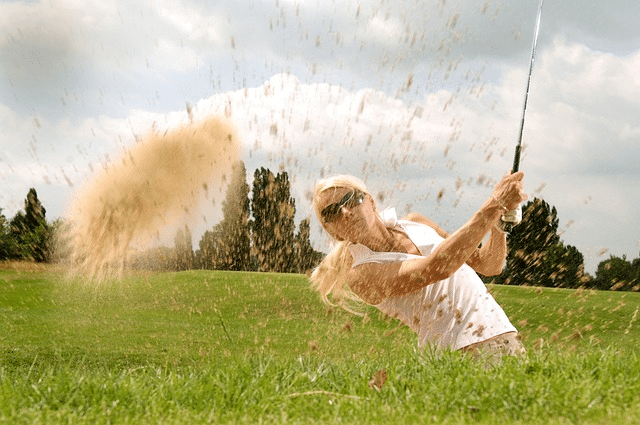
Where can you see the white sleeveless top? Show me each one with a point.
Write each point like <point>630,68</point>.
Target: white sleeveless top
<point>449,314</point>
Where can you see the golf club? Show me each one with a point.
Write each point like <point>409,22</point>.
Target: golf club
<point>513,217</point>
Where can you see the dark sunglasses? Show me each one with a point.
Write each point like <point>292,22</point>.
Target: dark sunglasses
<point>333,212</point>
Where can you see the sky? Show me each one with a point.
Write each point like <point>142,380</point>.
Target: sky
<point>422,99</point>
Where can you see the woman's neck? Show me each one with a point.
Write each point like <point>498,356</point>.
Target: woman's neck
<point>384,239</point>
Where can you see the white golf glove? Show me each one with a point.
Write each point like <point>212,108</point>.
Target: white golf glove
<point>509,219</point>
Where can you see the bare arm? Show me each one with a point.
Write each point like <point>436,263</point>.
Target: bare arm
<point>488,260</point>
<point>374,282</point>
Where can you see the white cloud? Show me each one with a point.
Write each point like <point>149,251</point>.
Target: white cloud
<point>582,101</point>
<point>384,30</point>
<point>59,57</point>
<point>370,98</point>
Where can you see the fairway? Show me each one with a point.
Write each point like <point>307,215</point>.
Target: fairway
<point>231,347</point>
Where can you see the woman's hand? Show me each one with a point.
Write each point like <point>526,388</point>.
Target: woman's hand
<point>508,193</point>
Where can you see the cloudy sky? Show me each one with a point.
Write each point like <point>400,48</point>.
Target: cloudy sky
<point>421,98</point>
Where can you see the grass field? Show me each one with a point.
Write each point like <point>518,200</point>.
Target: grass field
<point>224,347</point>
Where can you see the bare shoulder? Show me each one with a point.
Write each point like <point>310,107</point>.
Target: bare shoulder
<point>416,217</point>
<point>370,282</point>
<point>419,218</point>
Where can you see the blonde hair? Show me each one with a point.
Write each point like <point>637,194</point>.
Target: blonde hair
<point>330,277</point>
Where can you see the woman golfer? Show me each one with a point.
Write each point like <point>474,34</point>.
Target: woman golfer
<point>414,271</point>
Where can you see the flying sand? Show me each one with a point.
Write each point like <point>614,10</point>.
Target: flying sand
<point>148,188</point>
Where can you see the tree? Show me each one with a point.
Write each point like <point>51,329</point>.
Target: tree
<point>537,256</point>
<point>30,231</point>
<point>6,241</point>
<point>306,257</point>
<point>183,249</point>
<point>285,229</point>
<point>18,234</point>
<point>206,251</point>
<point>528,244</point>
<point>616,273</point>
<point>635,266</point>
<point>33,210</point>
<point>160,258</point>
<point>231,248</point>
<point>58,244</point>
<point>563,267</point>
<point>273,224</point>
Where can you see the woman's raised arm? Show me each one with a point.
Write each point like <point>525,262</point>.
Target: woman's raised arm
<point>374,282</point>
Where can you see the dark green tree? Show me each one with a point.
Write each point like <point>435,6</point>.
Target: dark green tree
<point>232,245</point>
<point>33,210</point>
<point>18,231</point>
<point>635,266</point>
<point>6,241</point>
<point>30,231</point>
<point>528,244</point>
<point>563,267</point>
<point>273,226</point>
<point>616,273</point>
<point>285,230</point>
<point>306,257</point>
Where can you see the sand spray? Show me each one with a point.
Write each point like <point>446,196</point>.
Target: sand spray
<point>152,185</point>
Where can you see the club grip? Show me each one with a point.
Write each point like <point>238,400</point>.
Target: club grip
<point>510,219</point>
<point>513,216</point>
<point>516,159</point>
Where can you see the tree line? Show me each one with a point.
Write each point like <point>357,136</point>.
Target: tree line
<point>258,233</point>
<point>538,257</point>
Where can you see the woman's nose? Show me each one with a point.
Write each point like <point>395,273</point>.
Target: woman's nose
<point>344,210</point>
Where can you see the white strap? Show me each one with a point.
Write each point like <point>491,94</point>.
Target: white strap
<point>361,254</point>
<point>389,217</point>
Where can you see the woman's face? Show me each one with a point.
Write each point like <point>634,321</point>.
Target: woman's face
<point>346,214</point>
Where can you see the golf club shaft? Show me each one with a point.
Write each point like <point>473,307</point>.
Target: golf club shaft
<point>516,159</point>
<point>514,216</point>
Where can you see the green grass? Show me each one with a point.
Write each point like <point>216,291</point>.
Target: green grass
<point>215,347</point>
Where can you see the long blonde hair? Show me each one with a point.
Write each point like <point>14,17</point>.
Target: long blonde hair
<point>330,277</point>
